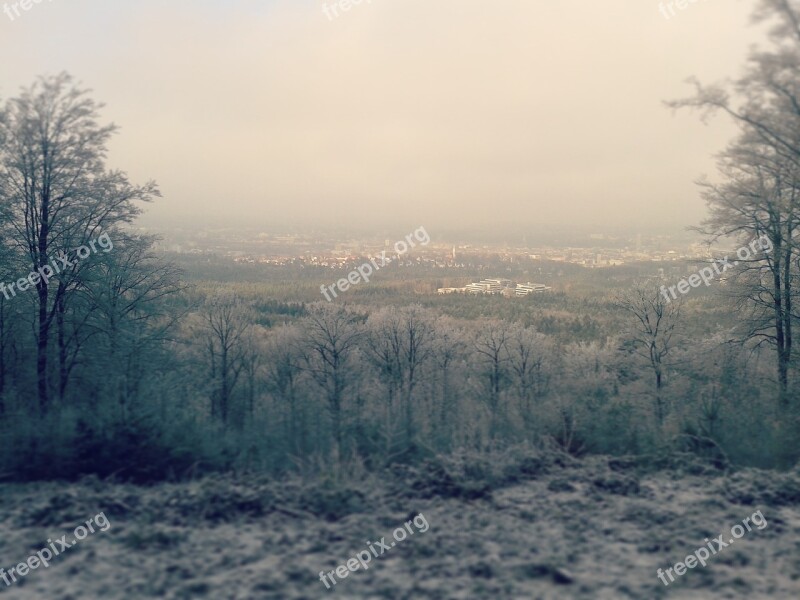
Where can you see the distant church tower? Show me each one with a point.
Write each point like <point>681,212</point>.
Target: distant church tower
<point>454,252</point>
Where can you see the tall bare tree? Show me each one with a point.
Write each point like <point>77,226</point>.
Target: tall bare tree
<point>124,295</point>
<point>449,349</point>
<point>758,205</point>
<point>282,371</point>
<point>226,321</point>
<point>400,341</point>
<point>331,339</point>
<point>491,347</point>
<point>653,325</point>
<point>529,359</point>
<point>56,190</point>
<point>760,174</point>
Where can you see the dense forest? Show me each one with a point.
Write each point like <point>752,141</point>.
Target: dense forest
<point>113,363</point>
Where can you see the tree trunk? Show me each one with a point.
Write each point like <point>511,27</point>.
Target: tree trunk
<point>63,375</point>
<point>42,339</point>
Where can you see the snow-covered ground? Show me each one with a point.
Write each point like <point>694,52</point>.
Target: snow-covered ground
<point>590,530</point>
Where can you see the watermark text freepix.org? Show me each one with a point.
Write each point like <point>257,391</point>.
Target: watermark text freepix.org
<point>62,261</point>
<point>363,558</point>
<point>25,5</point>
<point>706,274</point>
<point>701,555</point>
<point>365,271</point>
<point>680,4</point>
<point>345,5</point>
<point>46,554</point>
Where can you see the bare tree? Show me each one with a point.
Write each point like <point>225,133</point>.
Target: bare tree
<point>56,189</point>
<point>652,329</point>
<point>282,370</point>
<point>529,359</point>
<point>449,348</point>
<point>400,342</point>
<point>491,346</point>
<point>119,304</point>
<point>330,341</point>
<point>252,363</point>
<point>225,323</point>
<point>761,172</point>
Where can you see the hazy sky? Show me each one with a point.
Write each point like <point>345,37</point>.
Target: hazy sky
<point>442,113</point>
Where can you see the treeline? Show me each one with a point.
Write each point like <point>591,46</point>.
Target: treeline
<point>401,383</point>
<point>340,384</point>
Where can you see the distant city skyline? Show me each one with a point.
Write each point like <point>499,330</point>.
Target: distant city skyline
<point>518,233</point>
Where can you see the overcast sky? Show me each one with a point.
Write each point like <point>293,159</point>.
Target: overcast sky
<point>442,113</point>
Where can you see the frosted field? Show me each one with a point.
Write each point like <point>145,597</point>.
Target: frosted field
<point>539,528</point>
